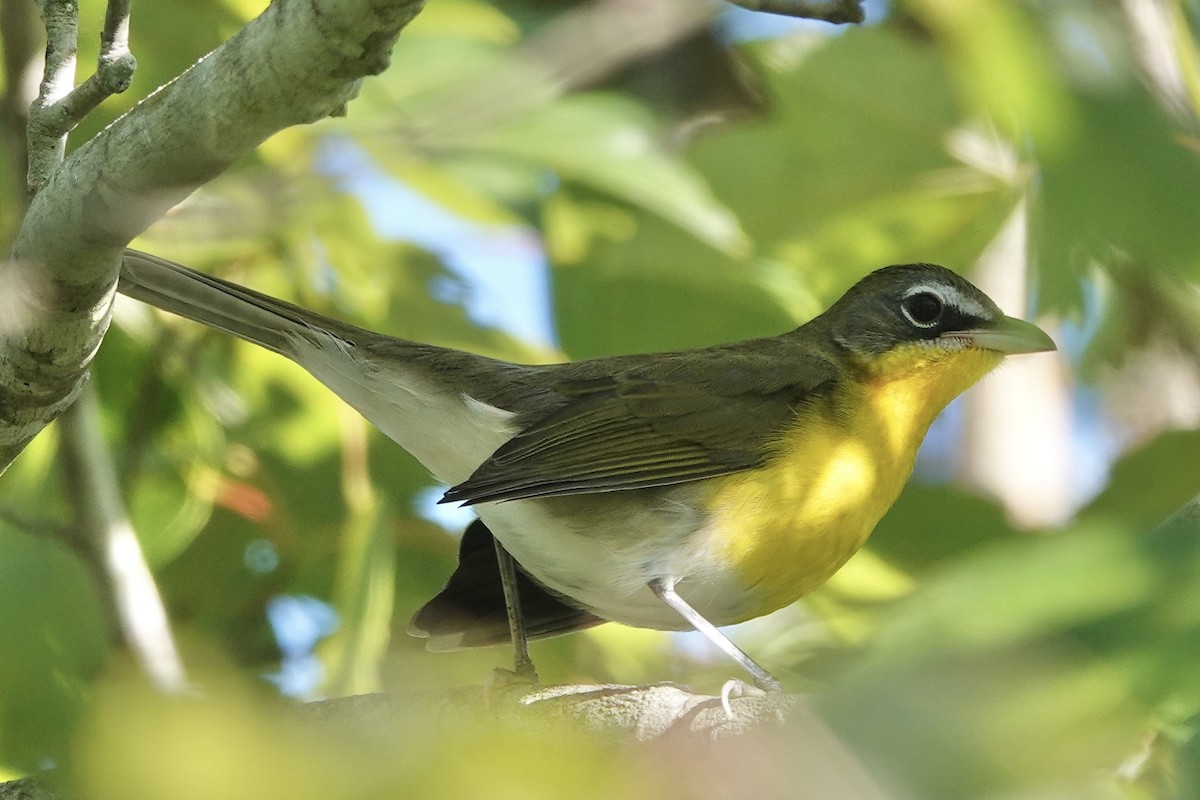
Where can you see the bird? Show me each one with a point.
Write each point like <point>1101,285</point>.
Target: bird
<point>684,490</point>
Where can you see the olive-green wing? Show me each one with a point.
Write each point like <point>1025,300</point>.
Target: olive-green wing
<point>652,421</point>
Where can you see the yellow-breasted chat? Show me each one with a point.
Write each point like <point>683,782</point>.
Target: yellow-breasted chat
<point>673,491</point>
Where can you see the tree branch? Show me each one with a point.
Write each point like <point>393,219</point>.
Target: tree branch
<point>114,67</point>
<point>114,39</point>
<point>297,62</point>
<point>47,143</point>
<point>101,534</point>
<point>634,713</point>
<point>372,724</point>
<point>59,108</point>
<point>36,787</point>
<point>114,72</point>
<point>101,522</point>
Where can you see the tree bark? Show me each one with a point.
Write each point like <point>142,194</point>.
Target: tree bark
<point>298,62</point>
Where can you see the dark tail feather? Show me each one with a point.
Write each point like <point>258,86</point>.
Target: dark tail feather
<point>222,304</point>
<point>470,612</point>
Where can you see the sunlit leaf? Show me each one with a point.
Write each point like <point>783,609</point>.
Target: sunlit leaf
<point>999,57</point>
<point>610,144</point>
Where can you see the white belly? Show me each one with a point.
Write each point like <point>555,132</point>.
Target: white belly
<point>605,557</point>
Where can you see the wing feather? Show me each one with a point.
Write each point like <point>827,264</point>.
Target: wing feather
<point>653,421</point>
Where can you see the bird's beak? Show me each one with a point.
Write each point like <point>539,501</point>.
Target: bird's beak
<point>1008,335</point>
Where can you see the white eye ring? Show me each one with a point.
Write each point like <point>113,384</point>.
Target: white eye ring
<point>918,308</point>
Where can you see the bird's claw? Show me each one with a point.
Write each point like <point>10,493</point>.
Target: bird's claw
<point>737,688</point>
<point>523,675</point>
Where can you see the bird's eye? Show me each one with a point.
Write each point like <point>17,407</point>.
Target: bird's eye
<point>923,309</point>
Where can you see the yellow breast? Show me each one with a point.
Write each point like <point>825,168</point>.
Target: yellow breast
<point>787,527</point>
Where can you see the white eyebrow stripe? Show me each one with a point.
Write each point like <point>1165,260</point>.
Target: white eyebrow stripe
<point>951,297</point>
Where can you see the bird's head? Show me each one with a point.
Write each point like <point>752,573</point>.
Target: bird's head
<point>924,308</point>
<point>922,335</point>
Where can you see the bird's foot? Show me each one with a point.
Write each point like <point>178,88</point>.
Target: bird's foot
<point>524,674</point>
<point>734,688</point>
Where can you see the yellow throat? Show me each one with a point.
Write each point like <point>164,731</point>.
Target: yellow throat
<point>786,527</point>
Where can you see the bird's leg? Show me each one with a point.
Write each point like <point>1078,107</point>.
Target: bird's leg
<point>664,589</point>
<point>522,664</point>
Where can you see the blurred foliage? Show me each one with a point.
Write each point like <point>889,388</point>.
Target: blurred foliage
<point>704,192</point>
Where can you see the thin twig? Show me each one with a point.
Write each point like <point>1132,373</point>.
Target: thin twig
<point>100,520</point>
<point>47,146</point>
<point>115,66</point>
<point>59,108</point>
<point>114,39</point>
<point>837,11</point>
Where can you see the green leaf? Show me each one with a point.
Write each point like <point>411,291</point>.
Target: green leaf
<point>611,144</point>
<point>1126,181</point>
<point>654,291</point>
<point>1150,482</point>
<point>53,639</point>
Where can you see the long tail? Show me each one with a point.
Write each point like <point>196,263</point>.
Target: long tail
<point>258,318</point>
<point>411,391</point>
